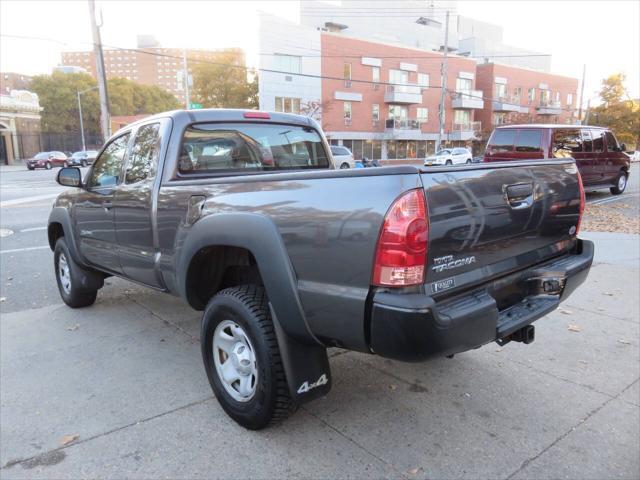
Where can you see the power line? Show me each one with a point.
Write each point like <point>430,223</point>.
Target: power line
<point>298,74</point>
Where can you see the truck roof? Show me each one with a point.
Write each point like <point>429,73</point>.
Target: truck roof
<point>227,115</point>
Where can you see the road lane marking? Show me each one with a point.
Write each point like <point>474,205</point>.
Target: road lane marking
<point>35,198</point>
<point>602,201</point>
<point>26,249</point>
<point>34,229</point>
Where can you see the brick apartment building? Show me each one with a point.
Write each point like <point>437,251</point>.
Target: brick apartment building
<point>520,95</point>
<point>13,81</point>
<point>385,101</point>
<point>151,64</point>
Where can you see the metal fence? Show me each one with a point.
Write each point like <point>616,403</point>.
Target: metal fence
<point>30,144</point>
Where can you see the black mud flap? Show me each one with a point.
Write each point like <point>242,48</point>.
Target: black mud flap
<point>306,366</point>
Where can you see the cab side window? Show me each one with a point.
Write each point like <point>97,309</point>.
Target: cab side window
<point>107,168</point>
<point>588,142</point>
<point>503,140</point>
<point>612,143</point>
<point>598,141</point>
<point>566,143</point>
<point>143,160</point>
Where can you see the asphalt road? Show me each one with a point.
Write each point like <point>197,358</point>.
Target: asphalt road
<point>125,376</point>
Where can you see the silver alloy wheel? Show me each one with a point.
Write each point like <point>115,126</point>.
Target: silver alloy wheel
<point>235,361</point>
<point>64,274</point>
<point>622,182</point>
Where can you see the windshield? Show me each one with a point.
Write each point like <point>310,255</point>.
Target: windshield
<point>249,146</point>
<point>443,152</point>
<point>42,156</point>
<point>77,155</point>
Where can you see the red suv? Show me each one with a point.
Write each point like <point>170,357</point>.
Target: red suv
<point>600,158</point>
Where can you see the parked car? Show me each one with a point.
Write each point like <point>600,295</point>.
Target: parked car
<point>47,160</point>
<point>342,157</point>
<point>449,156</point>
<point>600,158</point>
<point>287,255</point>
<point>634,156</point>
<point>83,157</point>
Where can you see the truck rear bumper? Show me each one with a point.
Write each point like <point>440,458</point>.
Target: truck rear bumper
<point>415,327</point>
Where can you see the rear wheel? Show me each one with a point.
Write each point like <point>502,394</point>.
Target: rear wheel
<point>468,161</point>
<point>242,358</point>
<point>83,163</point>
<point>621,184</point>
<point>448,162</point>
<point>47,165</point>
<point>68,277</point>
<point>344,165</point>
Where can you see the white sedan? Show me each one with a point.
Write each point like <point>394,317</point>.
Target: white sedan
<point>449,156</point>
<point>342,157</point>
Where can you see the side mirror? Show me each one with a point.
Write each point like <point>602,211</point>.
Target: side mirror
<point>623,147</point>
<point>70,177</point>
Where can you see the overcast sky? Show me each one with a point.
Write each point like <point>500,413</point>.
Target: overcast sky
<point>604,35</point>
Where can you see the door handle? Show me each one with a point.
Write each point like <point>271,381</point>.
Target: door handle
<point>519,195</point>
<point>107,205</point>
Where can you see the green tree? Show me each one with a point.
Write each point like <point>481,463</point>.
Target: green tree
<point>218,85</point>
<point>618,111</point>
<point>58,98</point>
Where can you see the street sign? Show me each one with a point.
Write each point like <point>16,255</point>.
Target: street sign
<point>195,106</point>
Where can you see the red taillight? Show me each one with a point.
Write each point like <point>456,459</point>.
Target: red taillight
<point>257,114</point>
<point>583,201</point>
<point>401,253</point>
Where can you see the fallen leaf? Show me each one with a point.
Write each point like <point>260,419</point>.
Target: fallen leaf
<point>498,349</point>
<point>608,293</point>
<point>584,362</point>
<point>574,328</point>
<point>566,312</point>
<point>67,439</point>
<point>626,342</point>
<point>3,299</point>
<point>393,387</point>
<point>75,327</point>
<point>413,471</point>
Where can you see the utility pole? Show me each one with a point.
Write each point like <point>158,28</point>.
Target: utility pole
<point>84,146</point>
<point>105,117</point>
<point>586,116</point>
<point>584,73</point>
<point>444,81</point>
<point>185,79</point>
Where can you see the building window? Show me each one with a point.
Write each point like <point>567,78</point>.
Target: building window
<point>501,90</point>
<point>288,105</point>
<point>499,118</point>
<point>375,74</point>
<point>569,99</point>
<point>347,113</point>
<point>517,93</point>
<point>422,114</point>
<point>461,117</point>
<point>463,85</point>
<point>545,97</point>
<point>398,77</point>
<point>286,63</point>
<point>423,79</point>
<point>346,71</point>
<point>532,95</point>
<point>558,97</point>
<point>375,112</point>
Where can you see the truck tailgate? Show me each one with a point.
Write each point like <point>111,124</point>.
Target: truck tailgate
<point>485,222</point>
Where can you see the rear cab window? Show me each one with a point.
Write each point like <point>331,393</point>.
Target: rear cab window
<point>503,140</point>
<point>250,147</point>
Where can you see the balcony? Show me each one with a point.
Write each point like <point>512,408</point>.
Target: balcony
<point>509,104</point>
<point>406,94</point>
<point>549,108</point>
<point>465,131</point>
<point>467,99</point>
<point>395,124</point>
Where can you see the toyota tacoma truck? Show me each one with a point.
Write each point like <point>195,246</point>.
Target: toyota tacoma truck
<point>244,215</point>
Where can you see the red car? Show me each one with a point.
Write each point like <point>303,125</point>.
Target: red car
<point>600,158</point>
<point>48,160</point>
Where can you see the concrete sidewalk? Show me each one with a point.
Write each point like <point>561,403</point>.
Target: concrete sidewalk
<point>126,377</point>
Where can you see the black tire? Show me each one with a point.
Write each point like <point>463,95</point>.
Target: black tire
<point>247,307</point>
<point>468,161</point>
<point>83,163</point>
<point>31,168</point>
<point>621,183</point>
<point>344,166</point>
<point>448,162</point>
<point>47,165</point>
<point>74,296</point>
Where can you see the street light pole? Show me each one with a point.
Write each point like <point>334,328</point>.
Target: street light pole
<point>443,74</point>
<point>84,147</point>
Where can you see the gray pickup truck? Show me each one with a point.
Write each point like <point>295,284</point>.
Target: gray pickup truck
<point>244,216</point>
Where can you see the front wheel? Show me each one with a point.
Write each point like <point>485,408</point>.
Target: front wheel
<point>468,161</point>
<point>68,277</point>
<point>621,184</point>
<point>242,358</point>
<point>47,165</point>
<point>31,168</point>
<point>448,162</point>
<point>344,166</point>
